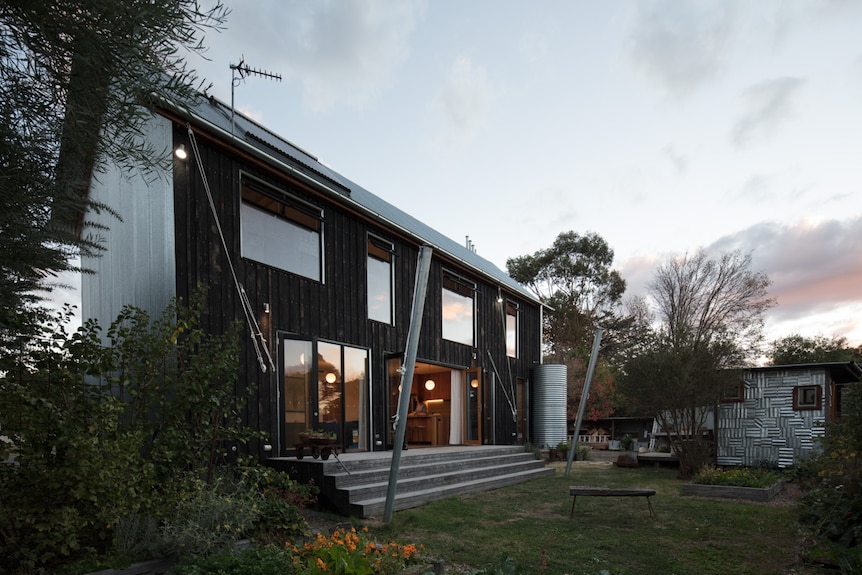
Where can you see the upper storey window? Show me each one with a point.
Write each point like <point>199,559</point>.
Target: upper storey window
<point>511,329</point>
<point>458,309</point>
<point>279,230</point>
<point>379,280</point>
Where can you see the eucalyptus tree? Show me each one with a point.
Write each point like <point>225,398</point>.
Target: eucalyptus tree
<point>709,318</point>
<point>576,282</point>
<point>581,291</point>
<point>78,80</point>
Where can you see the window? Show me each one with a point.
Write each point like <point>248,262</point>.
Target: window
<point>458,309</point>
<point>511,329</point>
<point>379,280</point>
<point>806,397</point>
<point>281,231</point>
<point>733,392</point>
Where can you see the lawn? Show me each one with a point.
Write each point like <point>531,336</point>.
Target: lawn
<point>530,525</point>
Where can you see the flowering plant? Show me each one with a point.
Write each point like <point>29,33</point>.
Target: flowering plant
<point>351,553</point>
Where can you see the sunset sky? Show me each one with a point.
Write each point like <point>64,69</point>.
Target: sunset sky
<point>664,126</point>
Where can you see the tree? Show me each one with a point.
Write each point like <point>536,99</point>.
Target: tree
<point>78,79</point>
<point>574,279</point>
<point>796,348</point>
<point>709,316</point>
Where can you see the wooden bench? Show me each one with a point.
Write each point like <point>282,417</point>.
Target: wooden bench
<point>575,490</point>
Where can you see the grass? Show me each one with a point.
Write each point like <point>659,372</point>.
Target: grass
<point>530,524</point>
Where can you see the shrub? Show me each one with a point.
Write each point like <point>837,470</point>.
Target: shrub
<point>88,452</point>
<point>831,504</point>
<point>262,561</point>
<point>736,477</point>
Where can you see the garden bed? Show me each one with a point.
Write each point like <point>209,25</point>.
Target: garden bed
<point>762,494</point>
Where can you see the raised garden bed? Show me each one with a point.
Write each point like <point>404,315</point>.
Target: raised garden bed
<point>761,494</point>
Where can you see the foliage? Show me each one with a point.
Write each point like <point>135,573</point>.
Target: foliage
<point>627,442</point>
<point>710,320</point>
<point>78,79</point>
<point>82,429</point>
<point>736,476</point>
<point>257,561</point>
<point>831,505</point>
<point>796,348</point>
<point>574,278</point>
<point>352,553</point>
<point>213,516</point>
<point>278,507</point>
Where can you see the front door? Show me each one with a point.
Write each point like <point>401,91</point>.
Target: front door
<point>473,408</point>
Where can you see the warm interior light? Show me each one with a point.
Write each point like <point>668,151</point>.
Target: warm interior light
<point>434,401</point>
<point>330,377</point>
<point>181,152</point>
<point>429,385</point>
<point>474,383</point>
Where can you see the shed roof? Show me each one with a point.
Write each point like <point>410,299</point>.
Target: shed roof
<point>841,371</point>
<point>236,129</point>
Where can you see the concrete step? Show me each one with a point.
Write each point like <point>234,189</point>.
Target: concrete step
<point>417,468</point>
<point>356,483</point>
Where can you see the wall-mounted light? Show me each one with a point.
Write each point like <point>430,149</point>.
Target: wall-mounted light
<point>429,384</point>
<point>266,307</point>
<point>330,377</point>
<point>181,153</point>
<point>474,383</point>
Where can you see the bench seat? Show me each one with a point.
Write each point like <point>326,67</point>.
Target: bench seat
<point>575,490</point>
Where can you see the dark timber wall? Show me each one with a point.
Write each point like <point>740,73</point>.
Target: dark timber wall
<point>336,308</point>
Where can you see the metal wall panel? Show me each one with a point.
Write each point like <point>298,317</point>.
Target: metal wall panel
<point>138,266</point>
<point>764,426</point>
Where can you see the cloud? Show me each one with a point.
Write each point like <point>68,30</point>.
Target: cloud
<point>340,52</point>
<point>464,100</point>
<point>677,160</point>
<point>815,267</point>
<point>765,107</point>
<point>681,45</point>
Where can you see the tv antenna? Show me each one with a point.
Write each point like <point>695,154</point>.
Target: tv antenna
<point>239,72</point>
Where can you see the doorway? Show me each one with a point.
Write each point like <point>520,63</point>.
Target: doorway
<point>330,394</point>
<point>439,400</point>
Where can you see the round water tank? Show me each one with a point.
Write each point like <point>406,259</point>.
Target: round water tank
<point>549,405</point>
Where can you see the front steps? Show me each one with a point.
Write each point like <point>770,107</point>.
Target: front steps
<point>355,484</point>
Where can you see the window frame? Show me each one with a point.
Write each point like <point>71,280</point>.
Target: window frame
<point>799,405</point>
<point>288,209</point>
<point>740,393</point>
<point>460,286</point>
<point>381,250</point>
<point>515,308</point>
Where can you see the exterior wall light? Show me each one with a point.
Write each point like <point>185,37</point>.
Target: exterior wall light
<point>181,153</point>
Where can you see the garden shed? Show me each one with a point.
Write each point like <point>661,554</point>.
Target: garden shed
<point>778,412</point>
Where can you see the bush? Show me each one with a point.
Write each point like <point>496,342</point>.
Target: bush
<point>831,504</point>
<point>263,561</point>
<point>92,465</point>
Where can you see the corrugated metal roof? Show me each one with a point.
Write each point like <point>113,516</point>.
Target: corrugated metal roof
<point>245,132</point>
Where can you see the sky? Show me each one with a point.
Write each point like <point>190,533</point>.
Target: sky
<point>665,126</point>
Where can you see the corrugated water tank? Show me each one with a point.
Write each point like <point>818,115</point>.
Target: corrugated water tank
<point>549,404</point>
